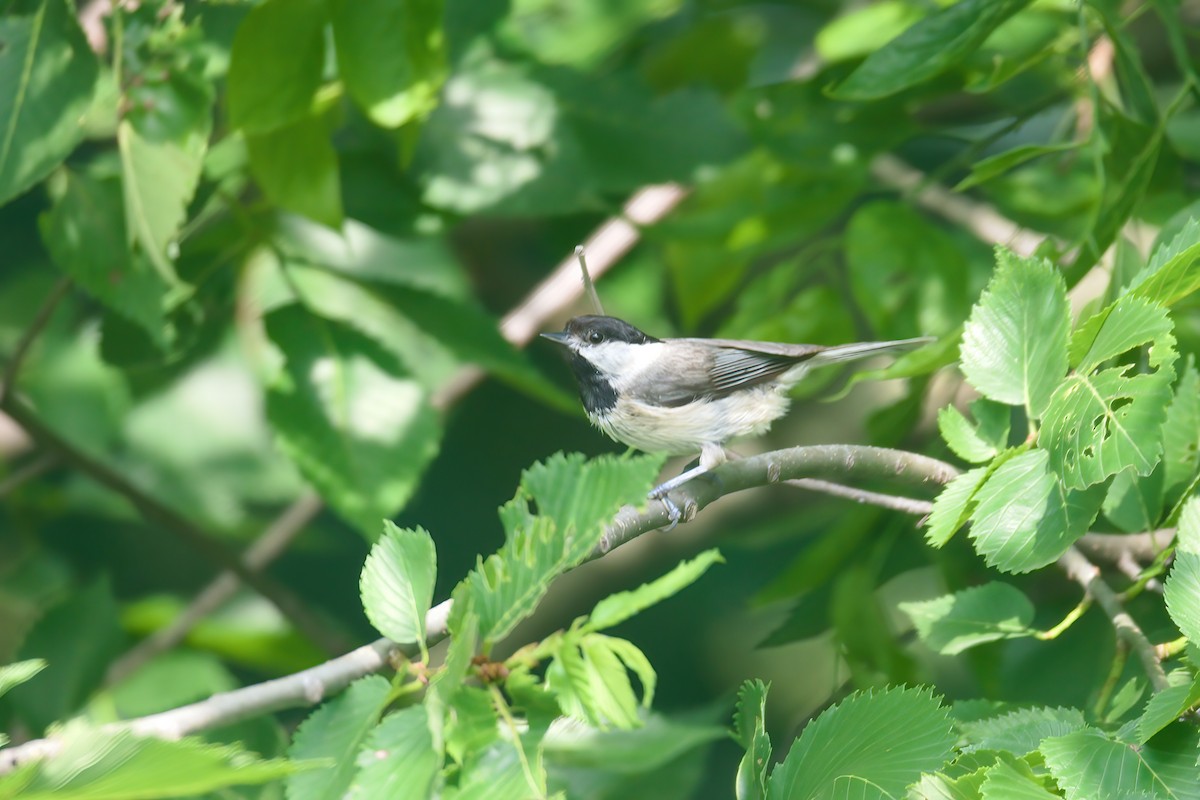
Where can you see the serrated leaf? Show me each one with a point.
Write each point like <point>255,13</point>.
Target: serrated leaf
<point>1098,424</point>
<point>348,415</point>
<point>955,622</point>
<point>47,77</point>
<point>951,508</point>
<point>159,178</point>
<point>1117,329</point>
<point>939,786</point>
<point>1181,591</point>
<point>618,607</point>
<point>590,679</point>
<point>928,48</point>
<point>398,761</point>
<point>336,731</point>
<point>1021,731</point>
<point>883,741</point>
<point>749,724</point>
<point>1025,519</point>
<point>17,673</point>
<point>397,583</point>
<point>85,235</point>
<point>1171,274</point>
<point>1006,782</point>
<point>392,56</point>
<point>296,167</point>
<point>275,64</point>
<point>1087,764</point>
<point>1181,433</point>
<point>1014,347</point>
<point>497,774</point>
<point>1165,707</point>
<point>975,442</point>
<point>96,763</point>
<point>471,724</point>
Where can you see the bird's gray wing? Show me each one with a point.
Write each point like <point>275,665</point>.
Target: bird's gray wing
<point>722,366</point>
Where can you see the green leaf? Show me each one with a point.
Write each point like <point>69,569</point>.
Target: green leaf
<point>573,744</point>
<point>1166,706</point>
<point>398,760</point>
<point>1133,503</point>
<point>358,427</point>
<point>872,744</point>
<point>993,166</point>
<point>1025,519</point>
<point>275,64</point>
<point>749,722</point>
<point>618,607</point>
<point>96,763</point>
<point>1006,782</point>
<point>159,179</point>
<point>928,48</point>
<point>979,442</point>
<point>496,774</point>
<point>397,583</point>
<point>589,676</point>
<point>1099,423</point>
<point>77,638</point>
<point>861,31</point>
<point>47,76</point>
<point>471,724</point>
<point>952,507</point>
<point>955,622</point>
<point>15,674</point>
<point>1087,764</point>
<point>1181,433</point>
<point>1171,274</point>
<point>1022,731</point>
<point>940,786</point>
<point>579,32</point>
<point>1014,347</point>
<point>1119,328</point>
<point>1182,587</point>
<point>297,168</point>
<point>84,233</point>
<point>392,56</point>
<point>583,495</point>
<point>337,731</point>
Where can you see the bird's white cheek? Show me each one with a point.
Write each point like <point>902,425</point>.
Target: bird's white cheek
<point>623,363</point>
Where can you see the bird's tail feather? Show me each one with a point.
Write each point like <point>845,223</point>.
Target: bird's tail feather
<point>851,352</point>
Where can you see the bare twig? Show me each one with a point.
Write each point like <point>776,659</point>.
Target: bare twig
<point>313,685</point>
<point>1113,547</point>
<point>30,336</point>
<point>905,504</point>
<point>1087,575</point>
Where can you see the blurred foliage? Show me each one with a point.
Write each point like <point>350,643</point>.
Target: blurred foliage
<point>278,232</point>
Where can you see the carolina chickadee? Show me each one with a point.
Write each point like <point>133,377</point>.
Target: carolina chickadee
<point>683,396</point>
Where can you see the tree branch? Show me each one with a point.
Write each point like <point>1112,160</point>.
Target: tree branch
<point>310,686</point>
<point>1087,575</point>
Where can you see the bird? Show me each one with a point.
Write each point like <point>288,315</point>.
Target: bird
<point>690,396</point>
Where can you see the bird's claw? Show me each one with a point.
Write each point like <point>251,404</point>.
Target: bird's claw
<point>673,512</point>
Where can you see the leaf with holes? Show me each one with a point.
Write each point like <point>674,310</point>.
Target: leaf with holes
<point>1099,423</point>
<point>1024,518</point>
<point>358,426</point>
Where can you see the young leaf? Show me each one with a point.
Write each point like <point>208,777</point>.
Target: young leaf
<point>1025,519</point>
<point>751,733</point>
<point>1171,274</point>
<point>617,608</point>
<point>17,673</point>
<point>392,56</point>
<point>928,48</point>
<point>336,731</point>
<point>47,75</point>
<point>884,739</point>
<point>1088,764</point>
<point>582,495</point>
<point>1101,422</point>
<point>1166,706</point>
<point>1022,731</point>
<point>993,166</point>
<point>1014,347</point>
<point>472,724</point>
<point>1182,587</point>
<point>1133,503</point>
<point>297,168</point>
<point>95,763</point>
<point>951,508</point>
<point>275,64</point>
<point>357,426</point>
<point>497,774</point>
<point>589,677</point>
<point>1006,782</point>
<point>399,760</point>
<point>979,442</point>
<point>955,622</point>
<point>397,583</point>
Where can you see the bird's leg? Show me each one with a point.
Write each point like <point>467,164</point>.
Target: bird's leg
<point>711,457</point>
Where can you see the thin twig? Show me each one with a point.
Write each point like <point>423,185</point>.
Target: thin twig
<point>1087,575</point>
<point>29,336</point>
<point>28,472</point>
<point>1112,547</point>
<point>313,685</point>
<point>906,505</point>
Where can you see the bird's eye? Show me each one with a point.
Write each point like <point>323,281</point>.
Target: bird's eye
<point>595,337</point>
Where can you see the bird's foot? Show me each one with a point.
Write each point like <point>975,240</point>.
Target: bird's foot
<point>673,512</point>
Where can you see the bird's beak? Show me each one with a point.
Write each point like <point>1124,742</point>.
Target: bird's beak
<point>557,338</point>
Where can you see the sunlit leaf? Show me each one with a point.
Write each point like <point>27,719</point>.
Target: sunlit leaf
<point>336,731</point>
<point>297,168</point>
<point>952,507</point>
<point>618,607</point>
<point>398,759</point>
<point>397,583</point>
<point>1006,782</point>
<point>986,169</point>
<point>1171,274</point>
<point>955,622</point>
<point>589,675</point>
<point>17,673</point>
<point>1182,588</point>
<point>1181,433</point>
<point>980,441</point>
<point>1022,731</point>
<point>1088,764</point>
<point>1166,706</point>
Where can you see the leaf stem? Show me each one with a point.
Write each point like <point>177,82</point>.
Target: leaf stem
<point>1074,614</point>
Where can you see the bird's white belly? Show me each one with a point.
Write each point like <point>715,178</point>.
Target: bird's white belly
<point>685,429</point>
